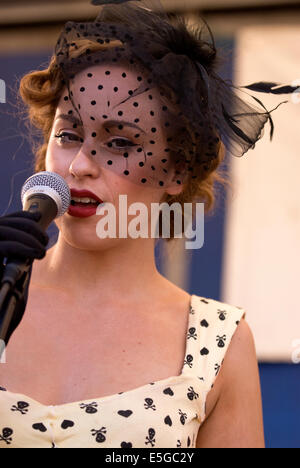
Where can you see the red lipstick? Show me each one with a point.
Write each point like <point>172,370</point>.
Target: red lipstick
<point>80,209</point>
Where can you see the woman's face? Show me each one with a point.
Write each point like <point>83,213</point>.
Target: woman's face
<point>93,156</point>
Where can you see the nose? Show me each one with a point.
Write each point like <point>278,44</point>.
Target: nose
<point>83,165</point>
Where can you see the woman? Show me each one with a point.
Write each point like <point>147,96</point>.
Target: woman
<point>90,363</point>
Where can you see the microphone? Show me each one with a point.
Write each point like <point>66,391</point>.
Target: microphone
<point>48,193</point>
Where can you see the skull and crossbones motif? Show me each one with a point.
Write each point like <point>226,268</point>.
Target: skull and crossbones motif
<point>149,404</point>
<point>6,433</point>
<point>183,416</point>
<point>100,437</point>
<point>222,314</point>
<point>189,360</point>
<point>192,394</point>
<point>90,408</point>
<point>21,406</point>
<point>221,341</point>
<point>150,437</point>
<point>192,333</point>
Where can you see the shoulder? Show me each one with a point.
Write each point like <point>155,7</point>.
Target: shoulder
<point>241,354</point>
<point>242,339</point>
<point>239,373</point>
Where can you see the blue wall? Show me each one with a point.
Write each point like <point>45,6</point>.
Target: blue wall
<point>281,404</point>
<point>15,153</point>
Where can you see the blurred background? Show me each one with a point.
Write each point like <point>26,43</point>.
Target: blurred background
<point>251,254</point>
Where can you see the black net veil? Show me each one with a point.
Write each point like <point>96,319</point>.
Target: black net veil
<point>172,69</point>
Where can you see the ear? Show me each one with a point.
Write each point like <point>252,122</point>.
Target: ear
<point>175,189</point>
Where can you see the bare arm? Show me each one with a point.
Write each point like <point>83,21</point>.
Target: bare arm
<point>236,420</point>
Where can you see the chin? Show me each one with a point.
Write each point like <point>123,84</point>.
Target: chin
<point>89,244</point>
<point>81,233</point>
<point>85,238</point>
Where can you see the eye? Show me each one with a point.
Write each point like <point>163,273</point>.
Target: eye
<point>122,143</point>
<point>63,135</point>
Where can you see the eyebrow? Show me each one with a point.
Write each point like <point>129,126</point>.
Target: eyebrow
<point>108,123</point>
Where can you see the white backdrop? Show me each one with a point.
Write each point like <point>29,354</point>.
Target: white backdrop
<point>262,244</point>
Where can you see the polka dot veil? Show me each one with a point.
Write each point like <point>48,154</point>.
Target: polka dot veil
<point>149,94</point>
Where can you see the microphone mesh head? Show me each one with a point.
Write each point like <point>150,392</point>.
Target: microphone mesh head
<point>58,189</point>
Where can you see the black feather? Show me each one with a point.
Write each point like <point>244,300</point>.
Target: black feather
<point>271,88</point>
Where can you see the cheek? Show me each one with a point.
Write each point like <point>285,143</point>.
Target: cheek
<point>54,161</point>
<point>135,193</point>
<point>142,201</point>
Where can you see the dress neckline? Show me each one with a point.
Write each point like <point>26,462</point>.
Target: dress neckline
<point>191,321</point>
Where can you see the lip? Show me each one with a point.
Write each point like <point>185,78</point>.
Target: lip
<point>80,211</point>
<point>83,194</point>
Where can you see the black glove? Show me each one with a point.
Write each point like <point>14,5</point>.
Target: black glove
<point>21,238</point>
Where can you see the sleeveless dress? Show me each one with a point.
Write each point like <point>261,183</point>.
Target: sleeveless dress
<point>163,414</point>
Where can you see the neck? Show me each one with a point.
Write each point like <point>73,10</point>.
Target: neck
<point>127,270</point>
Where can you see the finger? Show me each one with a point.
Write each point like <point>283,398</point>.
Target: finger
<point>19,251</point>
<point>7,232</point>
<point>36,215</point>
<point>26,225</point>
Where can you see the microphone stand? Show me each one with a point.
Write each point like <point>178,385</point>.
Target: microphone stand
<point>13,287</point>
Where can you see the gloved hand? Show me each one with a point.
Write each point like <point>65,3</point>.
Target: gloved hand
<point>21,238</point>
